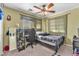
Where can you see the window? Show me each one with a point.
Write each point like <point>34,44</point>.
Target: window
<point>58,25</point>
<point>38,25</point>
<point>27,22</point>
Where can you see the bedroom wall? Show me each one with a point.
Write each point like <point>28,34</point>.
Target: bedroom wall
<point>73,25</point>
<point>15,19</point>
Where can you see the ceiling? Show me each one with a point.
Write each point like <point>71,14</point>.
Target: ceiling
<point>58,7</point>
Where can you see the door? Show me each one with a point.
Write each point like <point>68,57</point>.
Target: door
<point>12,38</point>
<point>1,38</point>
<point>1,31</point>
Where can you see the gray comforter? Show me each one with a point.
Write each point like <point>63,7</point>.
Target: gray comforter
<point>54,39</point>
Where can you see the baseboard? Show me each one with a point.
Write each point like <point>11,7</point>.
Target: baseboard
<point>68,45</point>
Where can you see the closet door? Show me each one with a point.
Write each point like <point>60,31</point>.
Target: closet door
<point>1,38</point>
<point>12,38</point>
<point>1,31</point>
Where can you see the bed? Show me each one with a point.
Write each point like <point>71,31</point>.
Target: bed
<point>53,40</point>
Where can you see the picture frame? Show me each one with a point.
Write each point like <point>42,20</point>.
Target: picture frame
<point>8,17</point>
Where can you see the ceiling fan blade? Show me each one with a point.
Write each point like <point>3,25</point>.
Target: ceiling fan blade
<point>50,5</point>
<point>39,12</point>
<point>37,7</point>
<point>51,11</point>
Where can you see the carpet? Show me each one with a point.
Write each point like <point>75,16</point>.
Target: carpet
<point>40,50</point>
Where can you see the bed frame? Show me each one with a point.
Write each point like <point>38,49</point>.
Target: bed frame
<point>56,47</point>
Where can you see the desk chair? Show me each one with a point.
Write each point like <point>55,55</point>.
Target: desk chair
<point>31,38</point>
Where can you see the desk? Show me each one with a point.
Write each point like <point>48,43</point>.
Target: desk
<point>26,37</point>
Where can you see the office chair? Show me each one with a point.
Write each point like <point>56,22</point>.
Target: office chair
<point>31,38</point>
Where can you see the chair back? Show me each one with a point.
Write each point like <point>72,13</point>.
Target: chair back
<point>32,34</point>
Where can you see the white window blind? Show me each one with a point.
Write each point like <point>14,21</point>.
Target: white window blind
<point>27,22</point>
<point>38,24</point>
<point>58,25</point>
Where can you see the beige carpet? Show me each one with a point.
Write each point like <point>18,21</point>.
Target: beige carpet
<point>40,50</point>
<point>65,51</point>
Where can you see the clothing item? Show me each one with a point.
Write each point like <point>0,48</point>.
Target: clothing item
<point>1,14</point>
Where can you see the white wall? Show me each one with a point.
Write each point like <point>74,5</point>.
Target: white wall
<point>1,38</point>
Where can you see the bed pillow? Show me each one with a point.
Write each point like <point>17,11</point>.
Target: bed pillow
<point>44,34</point>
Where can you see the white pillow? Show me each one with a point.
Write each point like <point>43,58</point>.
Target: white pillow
<point>39,32</point>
